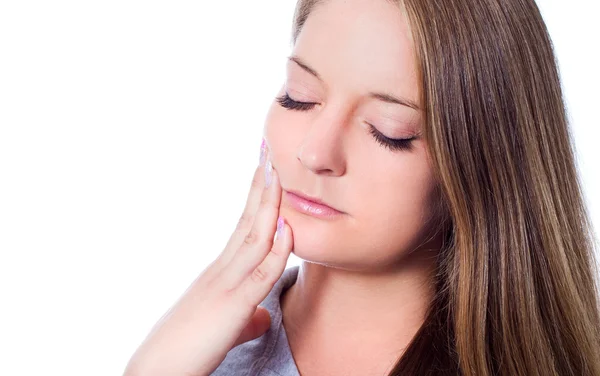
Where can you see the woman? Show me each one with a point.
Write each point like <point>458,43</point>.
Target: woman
<point>453,237</point>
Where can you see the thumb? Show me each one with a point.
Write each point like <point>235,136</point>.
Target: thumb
<point>258,325</point>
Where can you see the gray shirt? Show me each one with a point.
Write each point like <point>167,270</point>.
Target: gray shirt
<point>269,354</point>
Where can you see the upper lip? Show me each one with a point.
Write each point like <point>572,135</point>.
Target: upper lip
<point>313,199</point>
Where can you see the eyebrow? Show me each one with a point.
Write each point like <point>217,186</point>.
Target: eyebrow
<point>388,98</point>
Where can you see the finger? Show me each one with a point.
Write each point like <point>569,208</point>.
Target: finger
<point>259,240</point>
<point>246,220</point>
<point>255,288</point>
<point>252,204</point>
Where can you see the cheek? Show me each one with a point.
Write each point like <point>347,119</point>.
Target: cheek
<point>388,204</point>
<point>281,129</point>
<point>390,216</point>
<point>396,208</point>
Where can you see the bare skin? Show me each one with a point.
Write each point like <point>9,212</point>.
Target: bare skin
<point>365,282</point>
<point>219,310</point>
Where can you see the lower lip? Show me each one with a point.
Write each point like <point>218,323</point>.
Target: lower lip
<point>311,208</point>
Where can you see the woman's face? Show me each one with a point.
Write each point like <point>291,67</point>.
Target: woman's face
<point>328,151</point>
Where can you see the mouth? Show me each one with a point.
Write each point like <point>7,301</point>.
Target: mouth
<point>311,205</point>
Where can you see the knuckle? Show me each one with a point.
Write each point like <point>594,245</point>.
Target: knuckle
<point>276,251</point>
<point>251,238</point>
<point>260,274</point>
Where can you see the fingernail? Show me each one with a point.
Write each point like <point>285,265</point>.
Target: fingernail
<point>263,152</point>
<point>268,173</point>
<point>280,224</point>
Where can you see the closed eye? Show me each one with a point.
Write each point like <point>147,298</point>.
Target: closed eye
<point>390,143</point>
<point>291,104</point>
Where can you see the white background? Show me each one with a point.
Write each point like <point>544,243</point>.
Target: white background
<point>129,133</point>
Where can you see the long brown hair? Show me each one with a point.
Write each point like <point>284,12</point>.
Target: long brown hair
<point>516,286</point>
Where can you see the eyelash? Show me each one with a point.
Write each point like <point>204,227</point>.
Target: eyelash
<point>391,143</point>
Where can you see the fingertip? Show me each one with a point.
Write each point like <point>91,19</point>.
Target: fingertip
<point>286,238</point>
<point>275,176</point>
<point>279,233</point>
<point>289,237</point>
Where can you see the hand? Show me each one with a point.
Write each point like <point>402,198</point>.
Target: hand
<point>219,310</point>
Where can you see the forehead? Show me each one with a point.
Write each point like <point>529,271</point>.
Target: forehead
<point>360,45</point>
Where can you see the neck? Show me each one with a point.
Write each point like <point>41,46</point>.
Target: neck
<point>333,311</point>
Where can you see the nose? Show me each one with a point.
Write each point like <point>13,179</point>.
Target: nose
<point>321,150</point>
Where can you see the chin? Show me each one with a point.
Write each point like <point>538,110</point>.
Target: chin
<point>327,250</point>
<point>327,242</point>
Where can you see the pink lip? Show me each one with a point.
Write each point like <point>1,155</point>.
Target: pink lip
<point>306,205</point>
